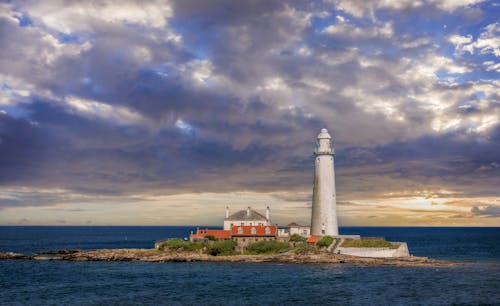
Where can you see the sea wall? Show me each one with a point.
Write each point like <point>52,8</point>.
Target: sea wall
<point>400,251</point>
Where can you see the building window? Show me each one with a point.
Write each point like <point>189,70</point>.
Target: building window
<point>240,230</point>
<point>254,231</point>
<point>268,231</point>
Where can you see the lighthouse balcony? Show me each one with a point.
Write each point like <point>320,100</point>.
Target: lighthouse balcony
<point>323,152</point>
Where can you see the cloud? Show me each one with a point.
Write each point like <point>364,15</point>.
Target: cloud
<point>107,101</point>
<point>487,211</point>
<point>94,109</point>
<point>68,17</point>
<point>487,42</point>
<point>361,9</point>
<point>353,32</point>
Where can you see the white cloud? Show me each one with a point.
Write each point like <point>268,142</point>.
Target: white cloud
<point>68,17</point>
<point>273,83</point>
<point>415,43</point>
<point>452,5</point>
<point>184,127</point>
<point>492,66</point>
<point>360,9</point>
<point>111,113</point>
<point>488,41</point>
<point>201,71</point>
<point>383,30</point>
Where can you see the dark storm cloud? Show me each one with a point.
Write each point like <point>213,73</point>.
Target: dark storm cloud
<point>22,147</point>
<point>126,106</point>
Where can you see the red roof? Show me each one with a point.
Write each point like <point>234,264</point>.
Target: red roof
<point>313,239</point>
<point>254,230</point>
<point>219,234</point>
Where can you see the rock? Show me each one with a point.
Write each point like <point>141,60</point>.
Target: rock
<point>58,252</point>
<point>11,255</point>
<point>152,255</point>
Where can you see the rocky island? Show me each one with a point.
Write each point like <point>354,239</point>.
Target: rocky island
<point>152,255</point>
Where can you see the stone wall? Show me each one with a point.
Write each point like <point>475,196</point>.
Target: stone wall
<point>400,251</point>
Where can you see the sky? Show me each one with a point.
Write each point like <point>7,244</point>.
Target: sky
<point>165,112</point>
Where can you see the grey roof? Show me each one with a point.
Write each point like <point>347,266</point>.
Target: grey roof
<point>242,215</point>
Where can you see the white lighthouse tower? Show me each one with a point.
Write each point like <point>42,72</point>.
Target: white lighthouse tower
<point>324,204</point>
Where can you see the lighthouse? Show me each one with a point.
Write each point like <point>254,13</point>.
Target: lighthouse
<point>324,204</point>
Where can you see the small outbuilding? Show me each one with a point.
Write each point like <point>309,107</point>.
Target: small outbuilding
<point>311,241</point>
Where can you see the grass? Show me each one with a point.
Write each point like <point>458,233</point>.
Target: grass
<point>301,249</point>
<point>177,244</point>
<point>297,238</point>
<point>368,243</point>
<point>325,241</point>
<point>267,247</point>
<point>218,247</point>
<point>221,247</point>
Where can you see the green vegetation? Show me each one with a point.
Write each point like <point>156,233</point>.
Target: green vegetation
<point>368,243</point>
<point>297,238</point>
<point>267,247</point>
<point>301,249</point>
<point>177,244</point>
<point>221,247</point>
<point>210,237</point>
<point>325,241</point>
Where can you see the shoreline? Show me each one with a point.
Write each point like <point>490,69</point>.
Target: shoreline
<point>152,255</point>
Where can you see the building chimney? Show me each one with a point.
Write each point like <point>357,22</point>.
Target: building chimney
<point>227,211</point>
<point>268,213</point>
<point>248,212</point>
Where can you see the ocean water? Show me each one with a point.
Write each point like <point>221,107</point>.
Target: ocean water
<point>476,281</point>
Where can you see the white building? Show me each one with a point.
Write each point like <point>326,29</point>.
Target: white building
<point>324,204</point>
<point>248,217</point>
<point>294,228</point>
<point>302,230</point>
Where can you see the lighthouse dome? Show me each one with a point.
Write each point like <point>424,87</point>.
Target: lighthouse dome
<point>324,134</point>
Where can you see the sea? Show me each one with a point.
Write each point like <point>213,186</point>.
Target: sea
<point>474,281</point>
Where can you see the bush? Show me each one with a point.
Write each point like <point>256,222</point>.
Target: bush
<point>297,238</point>
<point>221,247</point>
<point>210,237</point>
<point>267,247</point>
<point>176,244</point>
<point>301,249</point>
<point>194,246</point>
<point>325,241</point>
<point>368,243</point>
